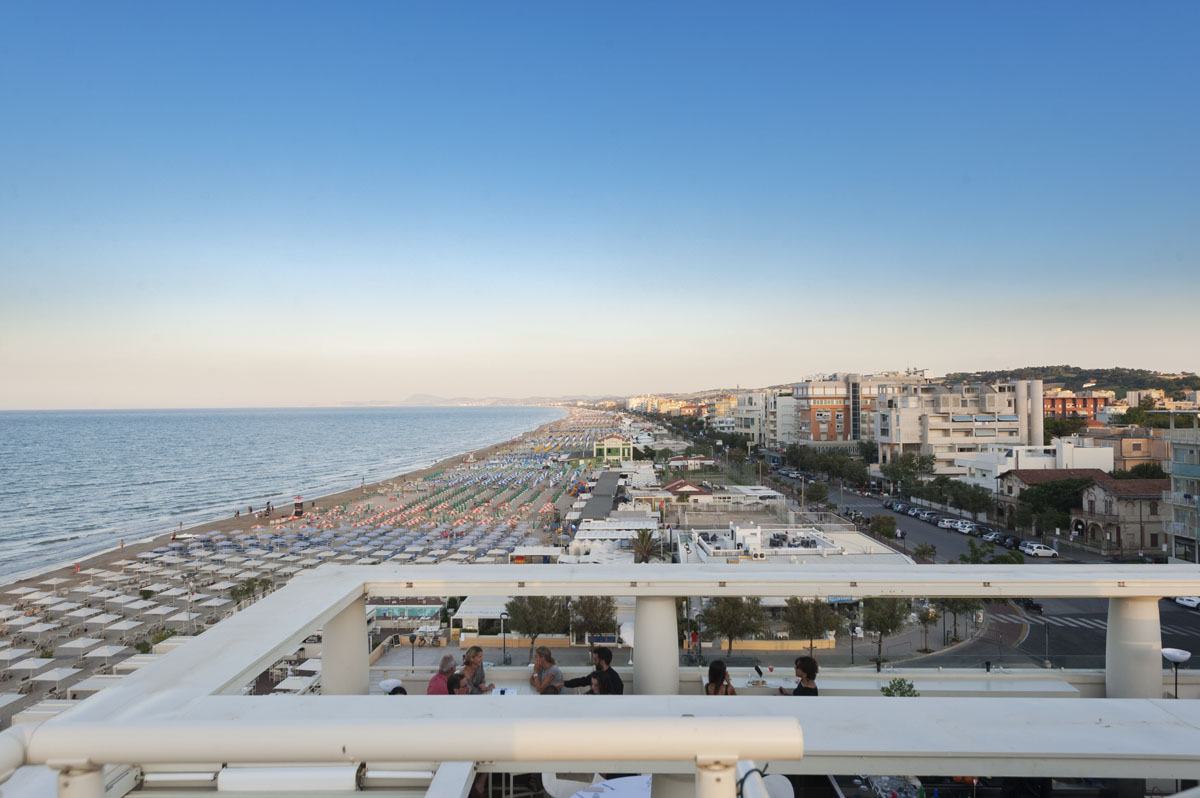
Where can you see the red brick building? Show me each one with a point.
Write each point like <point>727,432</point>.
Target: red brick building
<point>1073,406</point>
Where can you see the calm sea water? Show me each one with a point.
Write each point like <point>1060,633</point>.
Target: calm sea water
<point>73,483</point>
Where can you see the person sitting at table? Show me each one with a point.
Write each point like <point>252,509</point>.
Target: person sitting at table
<point>437,683</point>
<point>806,674</point>
<point>473,671</point>
<point>456,684</point>
<point>719,682</point>
<point>602,662</point>
<point>547,678</point>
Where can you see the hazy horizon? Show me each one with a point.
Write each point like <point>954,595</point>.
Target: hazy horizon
<point>229,206</point>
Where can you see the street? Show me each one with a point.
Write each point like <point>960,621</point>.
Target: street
<point>1067,633</point>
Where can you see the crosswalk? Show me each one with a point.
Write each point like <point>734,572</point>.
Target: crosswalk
<point>1079,622</point>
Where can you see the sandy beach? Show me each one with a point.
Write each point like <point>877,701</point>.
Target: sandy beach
<point>312,506</point>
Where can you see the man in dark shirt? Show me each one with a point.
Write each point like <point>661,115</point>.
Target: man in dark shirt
<point>602,661</point>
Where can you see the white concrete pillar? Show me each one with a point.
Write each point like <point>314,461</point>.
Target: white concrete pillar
<point>1021,409</point>
<point>1036,413</point>
<point>716,777</point>
<point>345,666</point>
<point>81,782</point>
<point>1133,649</point>
<point>655,646</point>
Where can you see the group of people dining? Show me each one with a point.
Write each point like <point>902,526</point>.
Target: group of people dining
<point>545,677</point>
<point>719,682</point>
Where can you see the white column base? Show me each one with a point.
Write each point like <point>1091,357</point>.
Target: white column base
<point>345,661</point>
<point>81,783</point>
<point>655,646</point>
<point>1133,666</point>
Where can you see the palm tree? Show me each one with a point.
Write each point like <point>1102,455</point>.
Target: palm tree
<point>643,546</point>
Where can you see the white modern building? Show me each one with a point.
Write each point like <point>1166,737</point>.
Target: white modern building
<point>750,416</point>
<point>947,422</point>
<point>989,463</point>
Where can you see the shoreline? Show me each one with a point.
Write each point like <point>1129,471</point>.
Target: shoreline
<point>246,523</point>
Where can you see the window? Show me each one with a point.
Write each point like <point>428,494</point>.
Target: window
<point>1092,506</point>
<point>1137,447</point>
<point>1153,508</point>
<point>1008,489</point>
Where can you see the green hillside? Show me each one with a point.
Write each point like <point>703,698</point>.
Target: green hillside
<point>1074,378</point>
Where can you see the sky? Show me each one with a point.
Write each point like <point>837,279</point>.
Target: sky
<point>270,204</point>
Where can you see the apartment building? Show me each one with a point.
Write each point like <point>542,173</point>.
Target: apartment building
<point>986,466</point>
<point>1132,446</point>
<point>1183,498</point>
<point>750,416</point>
<point>841,407</point>
<point>947,421</point>
<point>1068,404</point>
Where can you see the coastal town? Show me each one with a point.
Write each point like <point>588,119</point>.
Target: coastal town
<point>892,468</point>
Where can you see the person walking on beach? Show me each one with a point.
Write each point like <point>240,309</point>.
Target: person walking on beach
<point>806,674</point>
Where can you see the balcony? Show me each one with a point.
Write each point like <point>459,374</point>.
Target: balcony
<point>186,711</point>
<point>1180,529</point>
<point>1180,499</point>
<point>1186,470</point>
<point>1183,436</point>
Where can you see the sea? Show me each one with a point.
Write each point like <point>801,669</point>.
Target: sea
<point>76,483</point>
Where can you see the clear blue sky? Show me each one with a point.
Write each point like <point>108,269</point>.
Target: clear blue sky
<point>276,203</point>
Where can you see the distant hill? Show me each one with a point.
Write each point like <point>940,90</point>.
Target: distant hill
<point>1075,378</point>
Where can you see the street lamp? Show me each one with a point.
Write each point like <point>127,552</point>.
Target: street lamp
<point>412,647</point>
<point>1176,656</point>
<point>504,639</point>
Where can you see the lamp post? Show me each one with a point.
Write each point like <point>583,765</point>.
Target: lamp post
<point>1176,656</point>
<point>412,648</point>
<point>504,659</point>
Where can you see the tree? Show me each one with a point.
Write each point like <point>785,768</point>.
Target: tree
<point>594,614</point>
<point>816,492</point>
<point>901,688</point>
<point>925,551</point>
<point>884,526</point>
<point>1142,471</point>
<point>533,616</point>
<point>884,616</point>
<point>907,469</point>
<point>956,606</point>
<point>868,451</point>
<point>1049,504</point>
<point>729,617</point>
<point>927,617</point>
<point>808,620</point>
<point>1062,427</point>
<point>643,546</point>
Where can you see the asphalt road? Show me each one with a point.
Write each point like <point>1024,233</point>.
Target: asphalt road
<point>1067,633</point>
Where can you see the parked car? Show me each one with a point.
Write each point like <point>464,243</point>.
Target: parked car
<point>1191,602</point>
<point>1010,541</point>
<point>926,515</point>
<point>966,527</point>
<point>899,507</point>
<point>991,536</point>
<point>1029,605</point>
<point>1032,549</point>
<point>947,522</point>
<point>913,511</point>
